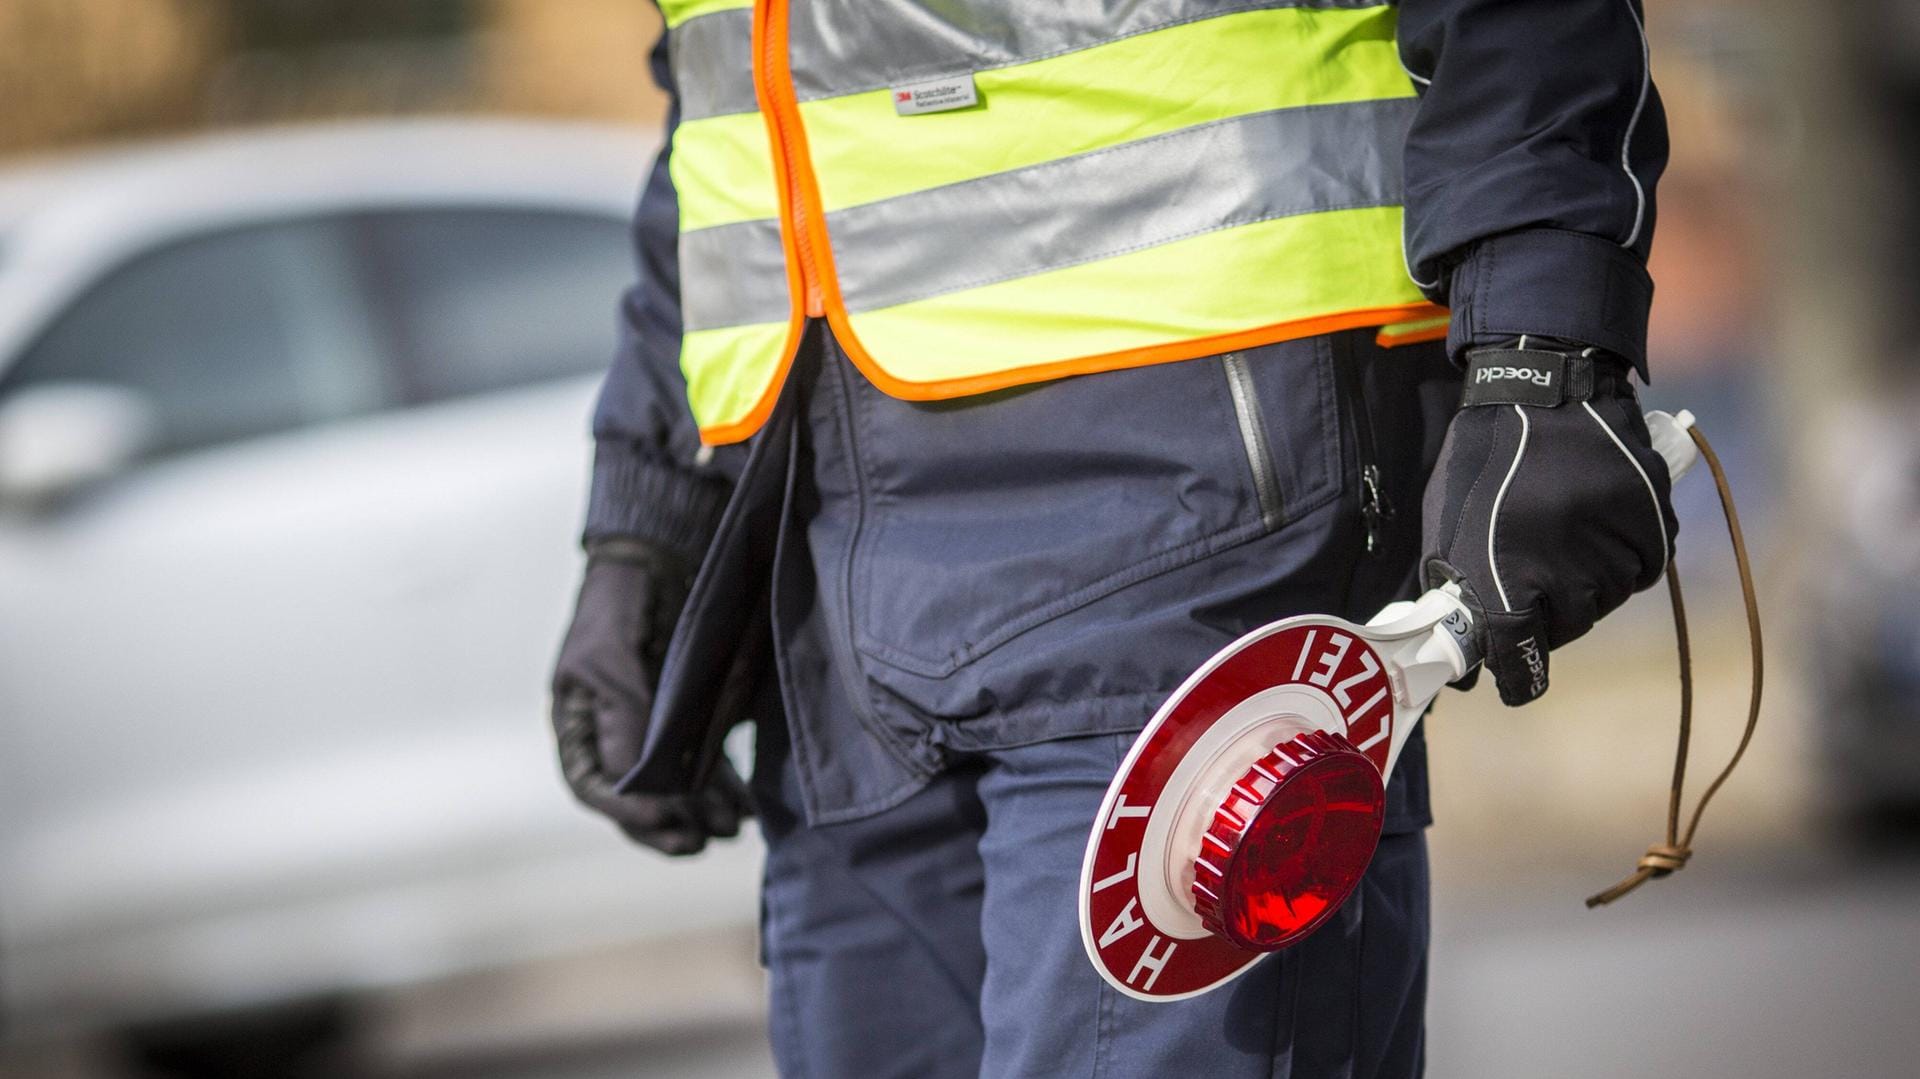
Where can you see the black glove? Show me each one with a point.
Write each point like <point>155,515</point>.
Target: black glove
<point>1548,505</point>
<point>603,689</point>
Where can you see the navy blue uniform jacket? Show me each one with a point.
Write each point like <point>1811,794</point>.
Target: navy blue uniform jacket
<point>998,589</point>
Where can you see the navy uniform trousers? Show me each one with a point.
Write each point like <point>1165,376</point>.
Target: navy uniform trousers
<point>940,938</point>
<point>925,823</point>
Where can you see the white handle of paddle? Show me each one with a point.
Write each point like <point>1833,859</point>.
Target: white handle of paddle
<point>1672,442</point>
<point>1451,648</point>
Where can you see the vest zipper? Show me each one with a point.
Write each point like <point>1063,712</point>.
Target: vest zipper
<point>1375,510</point>
<point>1253,437</point>
<point>775,78</point>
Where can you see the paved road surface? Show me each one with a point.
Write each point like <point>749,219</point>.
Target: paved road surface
<point>1794,971</point>
<point>1804,968</point>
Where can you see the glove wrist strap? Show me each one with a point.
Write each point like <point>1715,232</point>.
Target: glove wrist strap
<point>1541,377</point>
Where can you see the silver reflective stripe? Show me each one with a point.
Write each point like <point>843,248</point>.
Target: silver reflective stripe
<point>851,46</point>
<point>733,275</point>
<point>1096,205</point>
<point>712,58</point>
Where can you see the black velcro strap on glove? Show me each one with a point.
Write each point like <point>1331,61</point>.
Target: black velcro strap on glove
<point>1540,377</point>
<point>1548,505</point>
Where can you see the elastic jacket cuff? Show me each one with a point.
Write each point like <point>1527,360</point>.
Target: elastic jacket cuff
<point>1553,283</point>
<point>656,502</point>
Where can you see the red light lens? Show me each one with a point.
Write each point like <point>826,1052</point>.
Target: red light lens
<point>1304,850</point>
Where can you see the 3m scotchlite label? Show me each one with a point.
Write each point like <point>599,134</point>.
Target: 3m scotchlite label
<point>1116,93</point>
<point>855,46</point>
<point>935,95</point>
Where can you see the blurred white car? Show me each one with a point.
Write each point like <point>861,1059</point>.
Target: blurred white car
<point>293,449</point>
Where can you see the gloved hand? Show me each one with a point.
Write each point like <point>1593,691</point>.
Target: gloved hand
<point>603,688</point>
<point>1548,505</point>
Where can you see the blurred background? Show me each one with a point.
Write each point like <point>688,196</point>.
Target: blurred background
<point>302,306</point>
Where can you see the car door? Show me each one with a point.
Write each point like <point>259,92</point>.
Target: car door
<point>156,631</point>
<point>504,321</point>
<point>262,692</point>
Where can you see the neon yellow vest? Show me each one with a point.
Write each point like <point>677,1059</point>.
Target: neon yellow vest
<point>983,193</point>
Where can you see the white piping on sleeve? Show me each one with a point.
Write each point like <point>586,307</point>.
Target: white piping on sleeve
<point>1421,79</point>
<point>1626,146</point>
<point>1626,143</point>
<point>1666,545</point>
<point>1406,255</point>
<point>1493,521</point>
<point>1406,259</point>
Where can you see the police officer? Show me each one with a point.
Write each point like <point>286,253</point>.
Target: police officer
<point>994,363</point>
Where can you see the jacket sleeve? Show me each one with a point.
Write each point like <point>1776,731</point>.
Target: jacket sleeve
<point>650,478</point>
<point>1530,168</point>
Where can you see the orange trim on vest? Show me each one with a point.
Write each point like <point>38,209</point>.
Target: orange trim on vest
<point>800,204</point>
<point>1189,349</point>
<point>743,428</point>
<point>1431,333</point>
<point>773,84</point>
<point>1171,352</point>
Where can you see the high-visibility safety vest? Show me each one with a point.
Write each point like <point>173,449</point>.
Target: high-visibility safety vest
<point>978,194</point>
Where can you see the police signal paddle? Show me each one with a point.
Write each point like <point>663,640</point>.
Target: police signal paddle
<point>1248,809</point>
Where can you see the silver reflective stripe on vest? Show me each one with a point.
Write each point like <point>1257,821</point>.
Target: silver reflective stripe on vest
<point>1128,197</point>
<point>712,57</point>
<point>851,46</point>
<point>741,273</point>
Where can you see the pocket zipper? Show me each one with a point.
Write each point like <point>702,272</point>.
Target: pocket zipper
<point>1253,437</point>
<point>1375,510</point>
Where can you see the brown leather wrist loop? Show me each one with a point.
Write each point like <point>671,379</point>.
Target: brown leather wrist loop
<point>1663,859</point>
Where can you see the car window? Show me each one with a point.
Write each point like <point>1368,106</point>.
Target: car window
<point>227,336</point>
<point>486,299</point>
